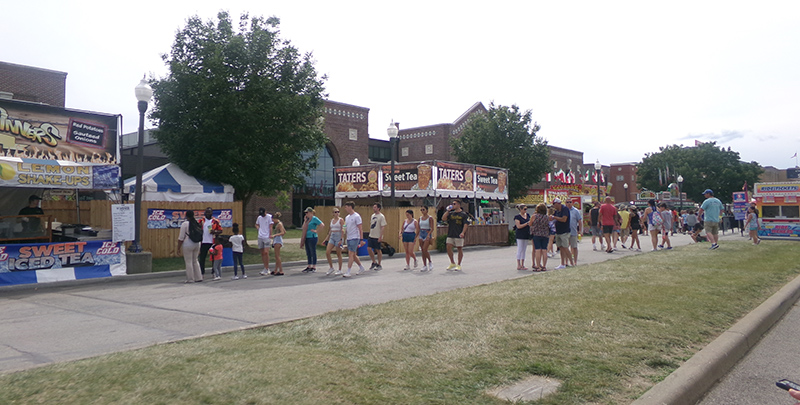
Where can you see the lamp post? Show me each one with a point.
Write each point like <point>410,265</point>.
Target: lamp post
<point>392,131</point>
<point>597,167</point>
<point>143,95</point>
<point>680,193</point>
<point>625,186</point>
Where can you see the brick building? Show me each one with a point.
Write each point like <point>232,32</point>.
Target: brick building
<point>619,175</point>
<point>33,84</point>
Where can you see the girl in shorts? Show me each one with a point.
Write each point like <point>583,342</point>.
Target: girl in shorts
<point>635,224</point>
<point>410,231</point>
<point>334,241</point>
<point>752,225</point>
<point>426,223</point>
<point>277,242</point>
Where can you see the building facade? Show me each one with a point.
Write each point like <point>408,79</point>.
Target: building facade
<point>37,85</point>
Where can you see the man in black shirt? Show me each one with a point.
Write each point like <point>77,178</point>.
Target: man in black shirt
<point>456,229</point>
<point>32,224</point>
<point>561,216</point>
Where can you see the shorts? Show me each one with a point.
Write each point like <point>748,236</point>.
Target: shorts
<point>278,240</point>
<point>373,244</point>
<point>573,241</point>
<point>540,242</point>
<point>712,227</point>
<point>352,244</point>
<point>562,240</point>
<point>264,243</point>
<point>409,237</point>
<point>423,234</point>
<point>652,228</point>
<point>596,231</point>
<point>457,242</point>
<point>336,239</point>
<point>625,232</point>
<point>608,229</point>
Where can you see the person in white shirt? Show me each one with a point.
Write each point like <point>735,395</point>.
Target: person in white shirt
<point>353,231</point>
<point>264,226</point>
<point>237,247</point>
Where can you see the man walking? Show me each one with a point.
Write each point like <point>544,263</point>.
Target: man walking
<point>377,224</point>
<point>561,216</point>
<point>594,219</point>
<point>211,228</point>
<point>711,209</point>
<point>608,213</point>
<point>456,230</point>
<point>353,226</point>
<point>264,227</point>
<point>575,228</point>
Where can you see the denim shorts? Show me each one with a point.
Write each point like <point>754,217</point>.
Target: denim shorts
<point>352,244</point>
<point>409,237</point>
<point>540,242</point>
<point>423,234</point>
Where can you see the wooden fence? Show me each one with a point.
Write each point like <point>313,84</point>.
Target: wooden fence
<point>161,242</point>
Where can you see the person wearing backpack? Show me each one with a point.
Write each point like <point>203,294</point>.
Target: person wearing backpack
<point>189,238</point>
<point>655,222</point>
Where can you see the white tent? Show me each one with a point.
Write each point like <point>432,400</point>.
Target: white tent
<point>170,183</point>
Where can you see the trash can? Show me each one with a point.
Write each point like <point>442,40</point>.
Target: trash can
<point>363,250</point>
<point>227,257</point>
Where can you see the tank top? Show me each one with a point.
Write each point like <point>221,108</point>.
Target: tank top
<point>336,225</point>
<point>425,224</point>
<point>409,226</point>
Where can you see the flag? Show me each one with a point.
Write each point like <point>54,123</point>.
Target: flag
<point>744,187</point>
<point>666,177</point>
<point>560,175</point>
<point>793,156</point>
<point>587,176</point>
<point>660,181</point>
<point>549,177</point>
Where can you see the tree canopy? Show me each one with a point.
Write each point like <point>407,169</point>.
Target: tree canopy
<point>505,137</point>
<point>239,105</point>
<point>703,166</point>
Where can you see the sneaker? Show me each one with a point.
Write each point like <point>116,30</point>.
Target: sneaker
<point>360,271</point>
<point>458,267</point>
<point>758,242</point>
<point>347,275</point>
<point>623,246</point>
<point>594,247</point>
<point>329,272</point>
<point>669,248</point>
<point>714,246</point>
<point>378,268</point>
<point>424,268</point>
<point>217,278</point>
<point>406,268</point>
<point>373,265</point>
<point>415,263</point>
<point>451,267</point>
<point>338,273</point>
<point>244,275</point>
<point>312,270</point>
<point>264,272</point>
<point>430,266</point>
<point>654,250</point>
<point>661,246</point>
<point>638,250</point>
<point>561,267</point>
<point>235,278</point>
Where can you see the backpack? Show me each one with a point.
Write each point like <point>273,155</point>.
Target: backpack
<point>656,219</point>
<point>195,232</point>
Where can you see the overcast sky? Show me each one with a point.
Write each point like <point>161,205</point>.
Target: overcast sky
<point>613,79</point>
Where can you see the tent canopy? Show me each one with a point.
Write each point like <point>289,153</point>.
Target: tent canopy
<point>170,183</point>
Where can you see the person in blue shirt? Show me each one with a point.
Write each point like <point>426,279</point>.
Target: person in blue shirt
<point>711,209</point>
<point>310,238</point>
<point>561,216</point>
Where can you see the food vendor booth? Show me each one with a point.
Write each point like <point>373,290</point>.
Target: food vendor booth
<point>778,208</point>
<point>45,148</point>
<point>429,183</point>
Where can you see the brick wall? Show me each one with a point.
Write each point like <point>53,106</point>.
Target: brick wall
<point>33,84</point>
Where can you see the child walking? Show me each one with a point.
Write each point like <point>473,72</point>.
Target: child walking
<point>277,243</point>
<point>216,257</point>
<point>237,248</point>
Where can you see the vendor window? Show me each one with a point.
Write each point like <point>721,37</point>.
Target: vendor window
<point>780,211</point>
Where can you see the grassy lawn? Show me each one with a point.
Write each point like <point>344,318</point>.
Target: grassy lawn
<point>609,331</point>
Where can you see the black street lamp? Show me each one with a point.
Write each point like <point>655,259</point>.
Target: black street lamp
<point>680,193</point>
<point>597,167</point>
<point>392,131</point>
<point>143,94</point>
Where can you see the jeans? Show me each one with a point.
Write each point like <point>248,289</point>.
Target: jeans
<point>201,258</point>
<point>311,250</point>
<point>237,258</point>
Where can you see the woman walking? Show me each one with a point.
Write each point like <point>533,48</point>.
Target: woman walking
<point>540,234</point>
<point>752,224</point>
<point>334,241</point>
<point>523,234</point>
<point>190,248</point>
<point>634,222</point>
<point>426,223</point>
<point>654,222</point>
<point>310,239</point>
<point>277,242</point>
<point>410,231</point>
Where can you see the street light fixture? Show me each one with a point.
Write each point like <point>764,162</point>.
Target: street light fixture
<point>625,186</point>
<point>680,192</point>
<point>392,131</point>
<point>143,93</point>
<point>597,167</point>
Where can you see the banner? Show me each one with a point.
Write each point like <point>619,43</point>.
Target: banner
<point>455,180</point>
<point>739,205</point>
<point>42,262</point>
<point>777,189</point>
<point>25,172</point>
<point>779,229</point>
<point>168,219</point>
<point>358,181</point>
<point>410,179</point>
<point>491,183</point>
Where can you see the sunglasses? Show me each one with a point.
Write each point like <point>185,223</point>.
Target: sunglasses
<point>335,212</point>
<point>525,209</point>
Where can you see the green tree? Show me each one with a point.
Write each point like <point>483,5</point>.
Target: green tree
<point>505,137</point>
<point>239,106</point>
<point>704,166</point>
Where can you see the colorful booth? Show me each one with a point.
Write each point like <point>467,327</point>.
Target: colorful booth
<point>778,208</point>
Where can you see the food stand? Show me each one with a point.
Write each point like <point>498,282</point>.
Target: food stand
<point>44,148</point>
<point>778,208</point>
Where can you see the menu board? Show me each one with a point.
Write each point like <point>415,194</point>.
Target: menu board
<point>491,183</point>
<point>455,179</point>
<point>358,181</point>
<point>410,179</point>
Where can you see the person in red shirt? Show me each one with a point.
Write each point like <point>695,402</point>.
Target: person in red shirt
<point>216,258</point>
<point>607,213</point>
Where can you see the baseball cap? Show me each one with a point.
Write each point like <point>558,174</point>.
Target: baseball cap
<point>309,209</point>
<point>709,191</point>
<point>557,201</point>
<point>34,197</point>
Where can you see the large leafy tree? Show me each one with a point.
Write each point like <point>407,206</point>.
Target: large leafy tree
<point>703,166</point>
<point>505,137</point>
<point>239,106</point>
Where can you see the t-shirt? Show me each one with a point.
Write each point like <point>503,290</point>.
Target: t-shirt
<point>236,243</point>
<point>607,213</point>
<point>312,225</point>
<point>216,252</point>
<point>626,217</point>
<point>594,214</point>
<point>562,227</point>
<point>667,216</point>
<point>264,225</point>
<point>376,223</point>
<point>575,218</point>
<point>455,223</point>
<point>711,207</point>
<point>691,220</point>
<point>33,223</point>
<point>523,232</point>
<point>208,226</point>
<point>351,223</point>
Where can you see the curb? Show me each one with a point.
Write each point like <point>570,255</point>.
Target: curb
<point>691,381</point>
